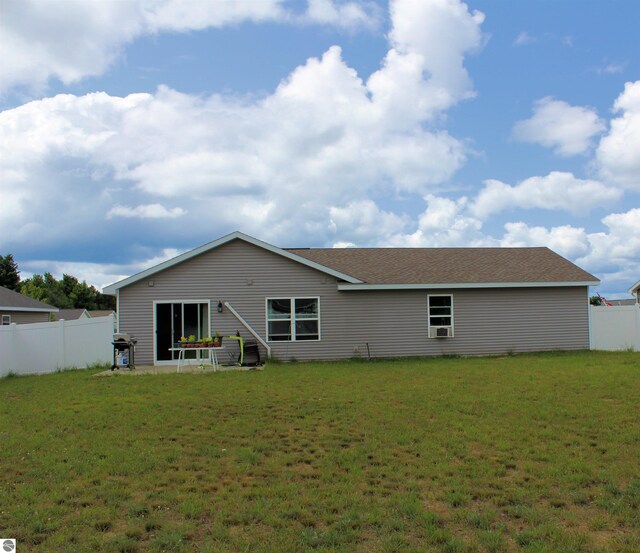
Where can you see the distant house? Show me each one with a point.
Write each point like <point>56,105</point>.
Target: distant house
<point>310,303</point>
<point>635,291</point>
<point>20,309</point>
<point>72,314</point>
<point>101,313</point>
<point>622,302</point>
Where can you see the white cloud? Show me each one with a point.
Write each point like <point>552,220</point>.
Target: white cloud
<point>444,223</point>
<point>360,220</point>
<point>96,274</point>
<point>149,211</point>
<point>72,39</point>
<point>524,38</point>
<point>323,138</point>
<point>565,128</point>
<point>610,69</point>
<point>347,15</point>
<point>555,191</point>
<point>423,73</point>
<point>566,240</point>
<point>617,154</point>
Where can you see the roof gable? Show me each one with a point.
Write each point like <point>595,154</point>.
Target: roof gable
<point>112,288</point>
<point>14,301</point>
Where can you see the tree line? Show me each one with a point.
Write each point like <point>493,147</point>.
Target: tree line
<point>66,293</point>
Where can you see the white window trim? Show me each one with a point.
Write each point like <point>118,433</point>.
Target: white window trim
<point>292,319</point>
<point>452,326</point>
<point>156,362</point>
<point>6,318</point>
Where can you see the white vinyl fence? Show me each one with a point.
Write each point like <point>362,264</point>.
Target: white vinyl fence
<point>47,347</point>
<point>616,327</point>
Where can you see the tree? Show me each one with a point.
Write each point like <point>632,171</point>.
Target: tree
<point>595,300</point>
<point>66,293</point>
<point>9,274</point>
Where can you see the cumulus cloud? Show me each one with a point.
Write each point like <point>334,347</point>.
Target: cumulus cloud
<point>617,154</point>
<point>97,274</point>
<point>444,222</point>
<point>149,211</point>
<point>566,240</point>
<point>565,128</point>
<point>72,39</point>
<point>423,72</point>
<point>323,139</point>
<point>556,191</point>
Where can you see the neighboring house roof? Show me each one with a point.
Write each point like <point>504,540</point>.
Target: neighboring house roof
<point>381,268</point>
<point>101,313</point>
<point>14,301</point>
<point>477,267</point>
<point>635,288</point>
<point>72,314</point>
<point>622,302</point>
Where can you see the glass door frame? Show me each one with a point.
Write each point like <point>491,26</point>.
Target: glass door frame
<point>155,325</point>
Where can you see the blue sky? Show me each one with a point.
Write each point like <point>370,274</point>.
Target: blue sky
<point>132,131</point>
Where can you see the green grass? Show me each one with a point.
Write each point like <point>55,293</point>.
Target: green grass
<point>533,453</point>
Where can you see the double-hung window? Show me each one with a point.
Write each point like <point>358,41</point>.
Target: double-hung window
<point>440,314</point>
<point>293,319</point>
<point>6,320</point>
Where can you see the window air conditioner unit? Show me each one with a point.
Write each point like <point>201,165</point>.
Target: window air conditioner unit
<point>441,332</point>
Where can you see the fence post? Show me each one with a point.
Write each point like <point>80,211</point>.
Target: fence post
<point>13,360</point>
<point>61,358</point>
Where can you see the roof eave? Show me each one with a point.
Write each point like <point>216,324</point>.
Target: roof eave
<point>30,309</point>
<point>112,288</point>
<point>458,285</point>
<point>634,288</point>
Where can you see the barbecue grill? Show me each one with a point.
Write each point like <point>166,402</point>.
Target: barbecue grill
<point>124,348</point>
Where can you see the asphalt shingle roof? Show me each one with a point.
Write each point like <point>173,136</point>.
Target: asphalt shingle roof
<point>10,299</point>
<point>448,265</point>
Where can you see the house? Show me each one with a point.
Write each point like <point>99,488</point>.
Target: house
<point>20,309</point>
<point>72,314</point>
<point>101,313</point>
<point>340,303</point>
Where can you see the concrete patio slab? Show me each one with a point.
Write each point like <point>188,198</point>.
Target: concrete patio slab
<point>167,369</point>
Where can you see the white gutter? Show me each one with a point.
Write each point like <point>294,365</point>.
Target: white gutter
<point>248,327</point>
<point>447,285</point>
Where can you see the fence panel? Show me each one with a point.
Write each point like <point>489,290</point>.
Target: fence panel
<point>46,347</point>
<point>616,327</point>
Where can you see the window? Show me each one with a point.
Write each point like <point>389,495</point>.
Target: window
<point>6,320</point>
<point>293,319</point>
<point>440,314</point>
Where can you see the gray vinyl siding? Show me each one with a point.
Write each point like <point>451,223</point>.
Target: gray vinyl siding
<point>393,323</point>
<point>26,317</point>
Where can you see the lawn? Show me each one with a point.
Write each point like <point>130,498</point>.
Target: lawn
<point>532,453</point>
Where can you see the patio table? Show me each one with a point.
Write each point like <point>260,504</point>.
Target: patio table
<point>213,355</point>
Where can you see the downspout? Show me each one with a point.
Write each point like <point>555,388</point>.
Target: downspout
<point>248,327</point>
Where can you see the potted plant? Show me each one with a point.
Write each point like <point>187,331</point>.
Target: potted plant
<point>183,342</point>
<point>207,341</point>
<point>217,340</point>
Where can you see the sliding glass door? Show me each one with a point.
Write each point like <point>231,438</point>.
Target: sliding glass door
<point>176,319</point>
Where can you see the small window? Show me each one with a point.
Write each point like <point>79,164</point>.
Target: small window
<point>440,315</point>
<point>6,320</point>
<point>293,319</point>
